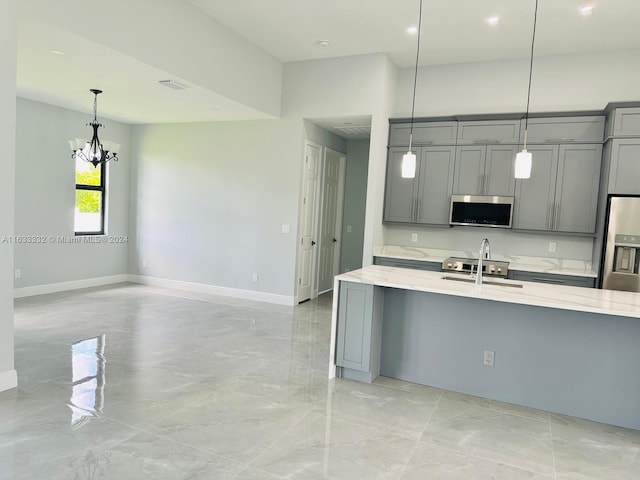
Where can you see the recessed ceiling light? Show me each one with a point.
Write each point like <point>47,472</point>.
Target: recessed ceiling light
<point>412,30</point>
<point>493,20</point>
<point>323,43</point>
<point>586,9</point>
<point>56,52</point>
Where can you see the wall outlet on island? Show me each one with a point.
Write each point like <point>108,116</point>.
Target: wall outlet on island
<point>254,278</point>
<point>553,246</point>
<point>489,358</point>
<point>17,274</point>
<point>414,237</point>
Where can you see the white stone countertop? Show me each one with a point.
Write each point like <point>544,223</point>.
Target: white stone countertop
<point>557,266</point>
<point>579,299</point>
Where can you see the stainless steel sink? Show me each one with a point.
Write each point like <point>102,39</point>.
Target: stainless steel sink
<point>485,281</point>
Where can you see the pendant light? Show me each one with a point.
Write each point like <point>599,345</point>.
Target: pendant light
<point>524,158</point>
<point>408,168</point>
<point>94,151</point>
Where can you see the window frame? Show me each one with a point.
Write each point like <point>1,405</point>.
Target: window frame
<point>102,188</point>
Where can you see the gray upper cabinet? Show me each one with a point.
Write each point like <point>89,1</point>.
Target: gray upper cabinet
<point>535,195</point>
<point>484,170</point>
<point>624,176</point>
<point>400,193</point>
<point>562,193</point>
<point>585,129</point>
<point>626,122</point>
<point>436,182</point>
<point>424,133</point>
<point>577,188</point>
<point>425,198</point>
<point>488,132</point>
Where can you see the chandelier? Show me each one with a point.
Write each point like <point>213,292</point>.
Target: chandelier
<point>94,151</point>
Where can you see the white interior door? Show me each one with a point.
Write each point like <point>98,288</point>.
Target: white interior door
<point>331,218</point>
<point>308,224</point>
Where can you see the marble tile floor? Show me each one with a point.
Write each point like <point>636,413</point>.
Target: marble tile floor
<point>136,382</point>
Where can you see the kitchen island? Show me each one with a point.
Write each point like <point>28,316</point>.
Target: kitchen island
<point>569,350</point>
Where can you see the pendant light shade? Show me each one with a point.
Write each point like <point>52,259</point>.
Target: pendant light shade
<point>409,165</point>
<point>524,159</point>
<point>409,159</point>
<point>523,164</point>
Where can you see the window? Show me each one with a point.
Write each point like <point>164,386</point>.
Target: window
<point>90,198</point>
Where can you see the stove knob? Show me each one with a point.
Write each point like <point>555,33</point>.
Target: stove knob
<point>449,265</point>
<point>499,269</point>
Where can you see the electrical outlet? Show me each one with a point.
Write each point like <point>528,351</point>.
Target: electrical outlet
<point>17,273</point>
<point>349,228</point>
<point>254,278</point>
<point>286,229</point>
<point>553,246</point>
<point>414,237</point>
<point>489,358</point>
<point>144,263</point>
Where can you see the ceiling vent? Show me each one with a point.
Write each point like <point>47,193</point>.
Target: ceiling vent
<point>355,131</point>
<point>172,84</point>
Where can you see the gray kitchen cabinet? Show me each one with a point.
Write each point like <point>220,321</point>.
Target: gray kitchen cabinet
<point>424,133</point>
<point>426,198</point>
<point>577,188</point>
<point>583,129</point>
<point>408,263</point>
<point>488,132</point>
<point>562,193</point>
<point>534,196</point>
<point>624,173</point>
<point>555,279</point>
<point>626,122</point>
<point>359,331</point>
<point>400,193</point>
<point>484,170</point>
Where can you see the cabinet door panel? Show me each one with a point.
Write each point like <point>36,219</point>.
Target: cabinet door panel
<point>577,188</point>
<point>499,176</point>
<point>469,170</point>
<point>355,318</point>
<point>399,198</point>
<point>489,131</point>
<point>625,167</point>
<point>626,122</point>
<point>564,129</point>
<point>424,133</point>
<point>436,179</point>
<point>535,196</point>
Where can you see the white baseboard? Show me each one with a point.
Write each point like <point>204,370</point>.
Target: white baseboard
<point>213,290</point>
<point>8,380</point>
<point>64,286</point>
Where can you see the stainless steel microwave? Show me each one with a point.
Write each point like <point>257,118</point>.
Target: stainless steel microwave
<point>481,211</point>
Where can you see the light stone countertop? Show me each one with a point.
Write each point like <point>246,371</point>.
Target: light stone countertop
<point>608,302</point>
<point>557,266</point>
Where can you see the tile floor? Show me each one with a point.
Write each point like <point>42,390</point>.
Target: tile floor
<point>134,382</point>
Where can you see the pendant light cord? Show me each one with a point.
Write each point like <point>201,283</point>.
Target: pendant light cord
<point>415,76</point>
<point>533,41</point>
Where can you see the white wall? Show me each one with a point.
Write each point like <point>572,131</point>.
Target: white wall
<point>8,48</point>
<point>560,83</point>
<point>45,197</point>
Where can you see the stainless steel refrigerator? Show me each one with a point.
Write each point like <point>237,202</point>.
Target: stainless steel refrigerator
<point>621,254</point>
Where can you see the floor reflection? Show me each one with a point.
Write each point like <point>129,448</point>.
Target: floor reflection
<point>88,370</point>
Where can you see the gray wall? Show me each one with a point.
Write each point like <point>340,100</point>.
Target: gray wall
<point>8,49</point>
<point>210,199</point>
<point>45,197</point>
<point>355,196</point>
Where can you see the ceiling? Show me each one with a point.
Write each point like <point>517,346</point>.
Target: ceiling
<point>453,31</point>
